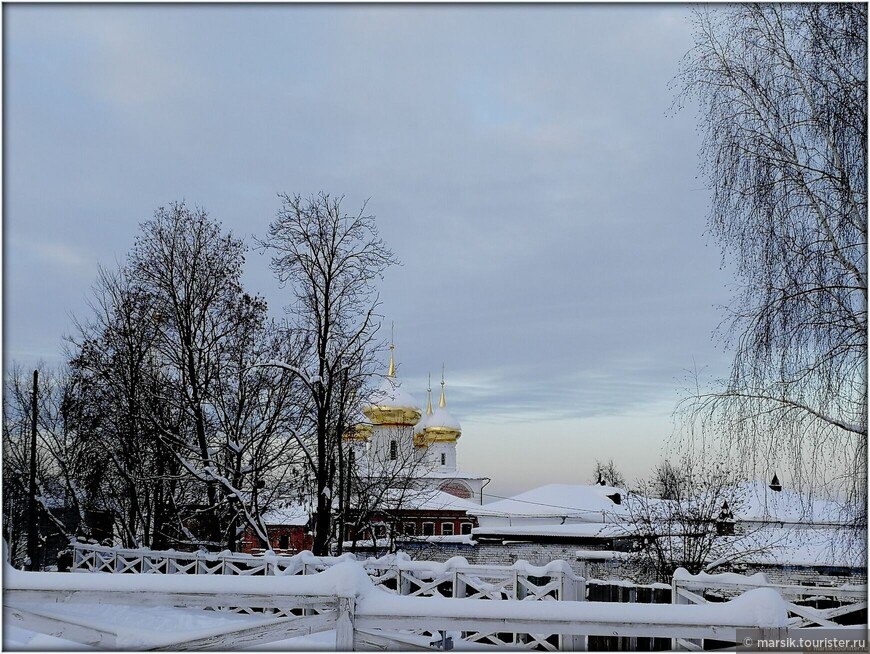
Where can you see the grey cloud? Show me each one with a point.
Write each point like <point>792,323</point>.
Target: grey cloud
<point>519,160</point>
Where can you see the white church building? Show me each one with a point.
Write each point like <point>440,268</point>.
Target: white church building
<point>395,437</point>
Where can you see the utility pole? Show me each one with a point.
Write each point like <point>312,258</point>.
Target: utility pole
<point>32,526</point>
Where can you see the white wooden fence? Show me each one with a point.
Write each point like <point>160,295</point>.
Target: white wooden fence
<point>100,558</point>
<point>345,600</point>
<point>35,601</point>
<point>692,589</point>
<point>458,580</point>
<point>397,574</point>
<point>455,579</point>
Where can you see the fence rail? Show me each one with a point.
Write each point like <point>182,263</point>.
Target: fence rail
<point>458,580</point>
<point>99,558</point>
<point>395,573</point>
<point>345,599</point>
<point>848,603</point>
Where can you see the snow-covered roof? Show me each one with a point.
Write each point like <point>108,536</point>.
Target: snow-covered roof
<point>602,555</point>
<point>575,530</point>
<point>427,500</point>
<point>288,515</point>
<point>770,545</point>
<point>757,502</point>
<point>442,418</point>
<point>458,539</point>
<point>438,500</point>
<point>448,474</point>
<point>390,394</point>
<point>421,424</point>
<point>584,502</point>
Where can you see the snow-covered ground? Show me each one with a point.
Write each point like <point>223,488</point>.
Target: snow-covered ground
<point>143,626</point>
<point>167,620</point>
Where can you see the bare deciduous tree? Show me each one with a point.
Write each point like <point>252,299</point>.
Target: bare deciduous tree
<point>69,468</point>
<point>666,481</point>
<point>254,414</point>
<point>233,421</point>
<point>330,260</point>
<point>116,379</point>
<point>694,526</point>
<point>197,439</point>
<point>782,90</point>
<point>608,474</point>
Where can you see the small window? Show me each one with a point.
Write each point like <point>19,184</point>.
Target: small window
<point>428,528</point>
<point>410,528</point>
<point>465,528</point>
<point>394,450</point>
<point>284,542</point>
<point>443,459</point>
<point>380,531</point>
<point>446,528</point>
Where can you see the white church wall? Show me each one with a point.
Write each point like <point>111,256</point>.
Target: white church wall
<point>442,456</point>
<point>390,443</point>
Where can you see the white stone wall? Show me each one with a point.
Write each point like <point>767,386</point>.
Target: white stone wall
<point>804,576</point>
<point>484,553</point>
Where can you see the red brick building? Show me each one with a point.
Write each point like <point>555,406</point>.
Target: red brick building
<point>288,532</point>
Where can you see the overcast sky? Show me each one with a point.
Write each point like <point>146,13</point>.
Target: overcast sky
<point>522,162</point>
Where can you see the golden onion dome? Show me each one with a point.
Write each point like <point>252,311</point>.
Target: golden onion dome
<point>361,430</point>
<point>441,425</point>
<point>390,405</point>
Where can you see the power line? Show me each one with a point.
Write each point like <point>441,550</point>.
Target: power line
<point>552,506</point>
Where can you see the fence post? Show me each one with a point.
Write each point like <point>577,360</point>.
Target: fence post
<point>459,588</point>
<point>344,624</point>
<point>573,589</point>
<point>677,598</point>
<point>632,599</point>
